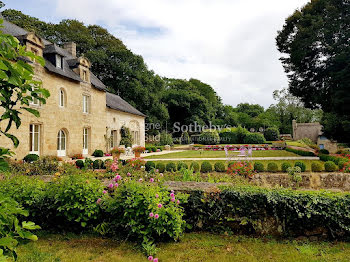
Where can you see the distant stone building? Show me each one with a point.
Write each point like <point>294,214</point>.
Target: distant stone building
<point>314,132</point>
<point>80,115</point>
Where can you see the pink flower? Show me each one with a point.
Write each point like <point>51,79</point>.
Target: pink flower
<point>117,177</point>
<point>161,174</point>
<point>178,202</point>
<point>151,180</point>
<point>116,185</point>
<point>157,195</point>
<point>172,195</point>
<point>157,170</point>
<point>151,214</point>
<point>172,191</point>
<point>140,180</point>
<point>110,185</point>
<point>128,174</point>
<point>173,200</point>
<point>155,260</point>
<point>156,216</point>
<point>160,205</point>
<point>104,192</point>
<point>150,258</point>
<point>98,201</point>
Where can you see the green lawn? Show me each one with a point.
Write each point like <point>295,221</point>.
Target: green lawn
<point>221,154</point>
<point>194,247</point>
<point>265,162</point>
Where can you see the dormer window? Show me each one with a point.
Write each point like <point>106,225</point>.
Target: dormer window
<point>58,61</point>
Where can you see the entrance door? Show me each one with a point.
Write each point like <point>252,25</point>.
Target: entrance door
<point>86,141</point>
<point>61,143</point>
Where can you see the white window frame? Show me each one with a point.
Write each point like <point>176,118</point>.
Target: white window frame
<point>62,98</point>
<point>32,133</point>
<point>58,61</point>
<point>114,138</point>
<point>86,141</point>
<point>61,151</point>
<point>86,104</point>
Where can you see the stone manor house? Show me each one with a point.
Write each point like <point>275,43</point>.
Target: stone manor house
<point>80,115</point>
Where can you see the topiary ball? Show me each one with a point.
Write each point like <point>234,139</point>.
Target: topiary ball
<point>194,166</point>
<point>316,167</point>
<point>206,167</point>
<point>259,167</point>
<point>150,165</point>
<point>181,165</point>
<point>219,167</point>
<point>31,158</point>
<point>170,167</point>
<point>79,163</point>
<point>285,166</point>
<point>301,165</point>
<point>161,167</point>
<point>272,167</point>
<point>330,166</point>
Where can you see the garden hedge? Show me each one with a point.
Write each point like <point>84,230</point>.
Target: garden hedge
<point>299,152</point>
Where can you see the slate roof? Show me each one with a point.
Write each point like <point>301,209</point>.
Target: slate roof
<point>116,102</point>
<point>112,101</point>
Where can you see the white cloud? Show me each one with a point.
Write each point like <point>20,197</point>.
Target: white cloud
<point>229,44</point>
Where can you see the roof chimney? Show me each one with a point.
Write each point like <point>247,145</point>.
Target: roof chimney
<point>71,47</point>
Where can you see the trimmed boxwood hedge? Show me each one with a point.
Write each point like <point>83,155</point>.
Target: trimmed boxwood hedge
<point>301,165</point>
<point>299,152</point>
<point>206,167</point>
<point>330,166</point>
<point>316,167</point>
<point>161,167</point>
<point>31,158</point>
<point>181,165</point>
<point>285,166</point>
<point>195,166</point>
<point>219,167</point>
<point>293,212</point>
<point>150,165</point>
<point>259,167</point>
<point>170,167</point>
<point>272,167</point>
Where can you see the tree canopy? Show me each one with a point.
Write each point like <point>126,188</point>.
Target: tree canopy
<point>314,43</point>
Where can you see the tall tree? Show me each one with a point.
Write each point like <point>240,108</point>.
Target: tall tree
<point>315,45</point>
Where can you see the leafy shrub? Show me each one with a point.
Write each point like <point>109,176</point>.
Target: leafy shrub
<point>324,151</point>
<point>181,165</point>
<point>295,174</point>
<point>342,163</point>
<point>126,138</point>
<point>161,148</point>
<point>185,139</point>
<point>44,166</point>
<point>271,134</point>
<point>31,158</point>
<point>166,139</point>
<point>74,199</point>
<point>96,164</point>
<point>170,167</point>
<point>219,167</point>
<point>334,159</point>
<point>285,166</point>
<point>259,167</point>
<point>206,167</point>
<point>153,149</point>
<point>301,165</point>
<point>272,167</point>
<point>330,166</point>
<point>209,137</point>
<point>161,167</point>
<point>150,165</point>
<point>11,230</point>
<point>194,166</point>
<point>79,163</point>
<point>145,213</point>
<point>97,153</point>
<point>254,138</point>
<point>316,167</point>
<point>244,168</point>
<point>299,152</point>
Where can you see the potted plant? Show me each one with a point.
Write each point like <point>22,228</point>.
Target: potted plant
<point>117,151</point>
<point>138,150</point>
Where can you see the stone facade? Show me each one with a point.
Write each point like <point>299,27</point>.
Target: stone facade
<point>75,118</point>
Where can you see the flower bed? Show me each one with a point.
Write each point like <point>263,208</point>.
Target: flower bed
<point>234,147</point>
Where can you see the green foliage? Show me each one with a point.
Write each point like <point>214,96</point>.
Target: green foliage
<point>79,163</point>
<point>181,165</point>
<point>272,167</point>
<point>126,138</point>
<point>254,138</point>
<point>295,174</point>
<point>150,166</point>
<point>170,167</point>
<point>166,139</point>
<point>299,152</point>
<point>98,164</point>
<point>161,167</point>
<point>343,163</point>
<point>334,159</point>
<point>195,166</point>
<point>285,166</point>
<point>316,167</point>
<point>219,167</point>
<point>206,167</point>
<point>313,61</point>
<point>301,165</point>
<point>259,167</point>
<point>209,137</point>
<point>97,153</point>
<point>330,166</point>
<point>11,230</point>
<point>324,151</point>
<point>272,134</point>
<point>31,158</point>
<point>134,210</point>
<point>185,138</point>
<point>4,156</point>
<point>46,165</point>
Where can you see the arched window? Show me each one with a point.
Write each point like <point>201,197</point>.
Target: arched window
<point>62,98</point>
<point>61,143</point>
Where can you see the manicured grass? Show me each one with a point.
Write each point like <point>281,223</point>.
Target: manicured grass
<point>296,143</point>
<point>194,247</point>
<point>221,154</point>
<point>265,162</point>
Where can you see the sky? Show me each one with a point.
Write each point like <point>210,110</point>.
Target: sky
<point>229,44</point>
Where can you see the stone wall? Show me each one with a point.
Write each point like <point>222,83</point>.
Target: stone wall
<point>306,130</point>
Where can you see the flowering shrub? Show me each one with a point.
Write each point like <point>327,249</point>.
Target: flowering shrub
<point>118,150</point>
<point>138,149</point>
<point>243,168</point>
<point>77,156</point>
<point>146,212</point>
<point>346,168</point>
<point>136,163</point>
